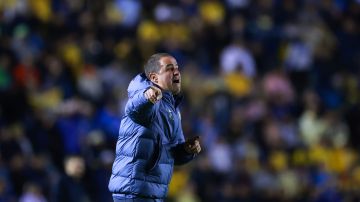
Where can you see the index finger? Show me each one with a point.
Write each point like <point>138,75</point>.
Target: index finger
<point>155,88</point>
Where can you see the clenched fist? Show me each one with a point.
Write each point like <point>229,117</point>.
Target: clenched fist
<point>192,145</point>
<point>153,94</point>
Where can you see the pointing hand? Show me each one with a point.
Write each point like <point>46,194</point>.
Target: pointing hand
<point>153,94</point>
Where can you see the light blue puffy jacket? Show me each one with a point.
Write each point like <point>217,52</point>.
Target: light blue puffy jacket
<point>150,143</point>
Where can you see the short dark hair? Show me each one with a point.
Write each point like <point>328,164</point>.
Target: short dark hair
<point>153,65</point>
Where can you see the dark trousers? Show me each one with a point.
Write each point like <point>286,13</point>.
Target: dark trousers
<point>138,200</point>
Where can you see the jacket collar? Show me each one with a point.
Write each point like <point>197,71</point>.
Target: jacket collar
<point>178,99</point>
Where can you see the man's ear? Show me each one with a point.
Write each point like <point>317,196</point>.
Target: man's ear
<point>153,77</point>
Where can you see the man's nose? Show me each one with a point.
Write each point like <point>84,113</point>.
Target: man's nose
<point>177,71</point>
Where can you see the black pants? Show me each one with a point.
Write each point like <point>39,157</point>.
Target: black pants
<point>138,200</point>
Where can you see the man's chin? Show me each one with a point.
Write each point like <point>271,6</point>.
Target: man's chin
<point>176,91</point>
<point>176,88</point>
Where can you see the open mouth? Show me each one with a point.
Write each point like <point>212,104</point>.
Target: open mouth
<point>176,80</point>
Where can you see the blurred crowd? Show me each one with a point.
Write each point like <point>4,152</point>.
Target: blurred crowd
<point>271,87</point>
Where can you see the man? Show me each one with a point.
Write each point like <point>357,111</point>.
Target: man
<point>150,138</point>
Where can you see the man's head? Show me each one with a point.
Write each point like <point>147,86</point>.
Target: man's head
<point>162,69</point>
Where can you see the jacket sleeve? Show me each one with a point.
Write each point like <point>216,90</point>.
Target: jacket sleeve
<point>180,155</point>
<point>139,109</point>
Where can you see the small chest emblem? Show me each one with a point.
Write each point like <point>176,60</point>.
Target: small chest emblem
<point>170,114</point>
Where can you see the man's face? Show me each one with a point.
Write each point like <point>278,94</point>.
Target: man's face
<point>169,77</point>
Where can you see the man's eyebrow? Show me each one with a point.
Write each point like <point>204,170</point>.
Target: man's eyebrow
<point>170,65</point>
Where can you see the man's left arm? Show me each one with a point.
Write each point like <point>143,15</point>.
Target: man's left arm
<point>186,151</point>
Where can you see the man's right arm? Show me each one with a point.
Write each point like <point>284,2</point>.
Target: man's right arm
<point>140,107</point>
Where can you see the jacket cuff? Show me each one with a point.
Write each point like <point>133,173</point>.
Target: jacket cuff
<point>182,152</point>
